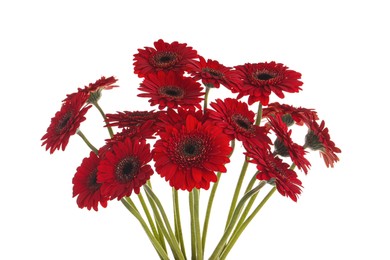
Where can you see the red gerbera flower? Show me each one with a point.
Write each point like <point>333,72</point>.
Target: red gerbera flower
<point>171,90</point>
<point>85,186</point>
<point>124,168</point>
<point>165,56</point>
<point>65,123</point>
<point>237,121</point>
<point>318,138</point>
<point>93,90</point>
<point>177,118</point>
<point>291,114</point>
<point>259,80</point>
<point>188,156</point>
<point>284,145</point>
<point>272,168</point>
<point>131,118</point>
<point>212,73</point>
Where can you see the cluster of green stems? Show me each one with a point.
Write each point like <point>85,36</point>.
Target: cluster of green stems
<point>161,231</point>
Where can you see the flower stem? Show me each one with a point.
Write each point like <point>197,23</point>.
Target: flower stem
<point>167,230</point>
<point>237,191</point>
<point>242,227</point>
<point>176,214</point>
<point>259,114</point>
<point>199,251</point>
<point>129,205</point>
<point>192,223</point>
<point>251,201</point>
<point>210,203</point>
<point>93,148</point>
<point>208,211</point>
<point>96,104</point>
<point>148,215</point>
<point>229,229</point>
<point>205,101</point>
<point>160,235</point>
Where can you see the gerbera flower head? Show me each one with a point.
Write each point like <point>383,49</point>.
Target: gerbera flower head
<point>260,79</point>
<point>284,145</point>
<point>85,185</point>
<point>131,118</point>
<point>290,114</point>
<point>65,122</point>
<point>144,131</point>
<point>273,169</point>
<point>171,90</point>
<point>212,73</point>
<point>163,57</point>
<point>237,121</point>
<point>93,90</point>
<point>188,156</point>
<point>124,168</point>
<point>318,138</point>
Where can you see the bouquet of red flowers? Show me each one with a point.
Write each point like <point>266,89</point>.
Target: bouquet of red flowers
<point>189,141</point>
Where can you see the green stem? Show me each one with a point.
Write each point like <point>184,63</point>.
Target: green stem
<point>237,191</point>
<point>251,201</point>
<point>259,114</point>
<point>208,211</point>
<point>192,225</point>
<point>229,229</point>
<point>163,255</point>
<point>205,102</point>
<point>176,214</point>
<point>199,251</point>
<point>93,148</point>
<point>96,104</point>
<point>159,231</point>
<point>148,215</point>
<point>241,228</point>
<point>210,203</point>
<point>167,230</point>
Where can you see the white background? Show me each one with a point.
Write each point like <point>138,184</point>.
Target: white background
<point>50,48</point>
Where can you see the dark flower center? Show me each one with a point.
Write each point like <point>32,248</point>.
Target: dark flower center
<point>213,72</point>
<point>264,75</point>
<point>242,122</point>
<point>171,91</point>
<point>63,122</point>
<point>127,169</point>
<point>92,181</point>
<point>190,151</point>
<point>165,59</point>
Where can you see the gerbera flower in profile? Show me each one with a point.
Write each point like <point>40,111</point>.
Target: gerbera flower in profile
<point>85,185</point>
<point>237,121</point>
<point>318,138</point>
<point>273,169</point>
<point>165,56</point>
<point>171,90</point>
<point>124,168</point>
<point>65,123</point>
<point>212,73</point>
<point>291,114</point>
<point>260,79</point>
<point>131,118</point>
<point>284,145</point>
<point>188,156</point>
<point>93,90</point>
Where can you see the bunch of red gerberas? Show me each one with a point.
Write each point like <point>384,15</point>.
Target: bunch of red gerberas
<point>192,142</point>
